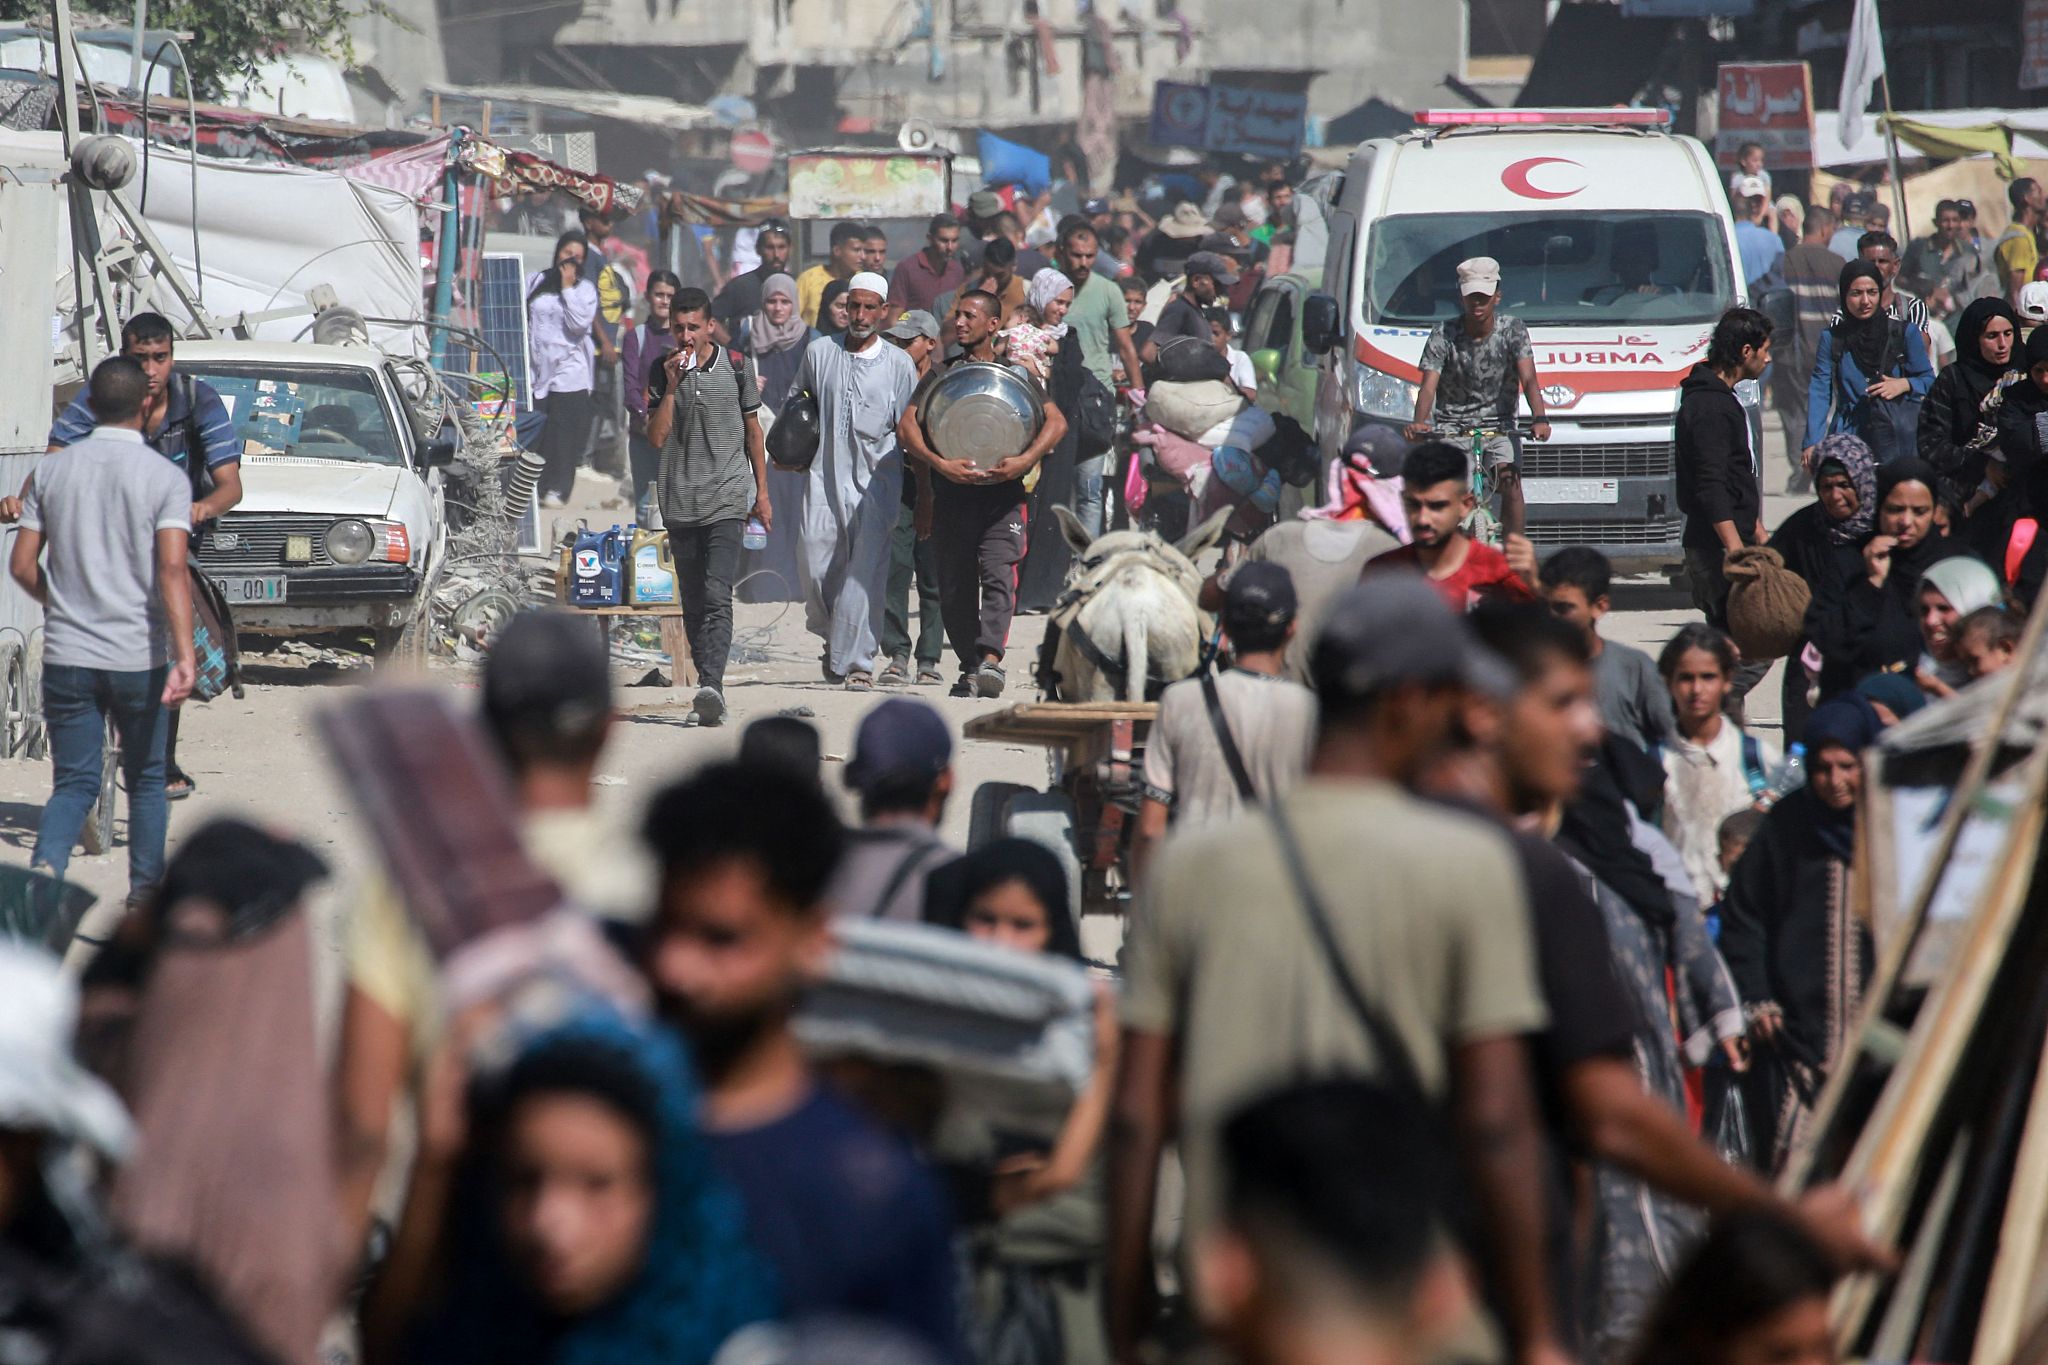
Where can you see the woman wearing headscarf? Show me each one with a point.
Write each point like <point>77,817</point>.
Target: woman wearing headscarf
<point>1868,622</point>
<point>1959,421</point>
<point>585,1224</point>
<point>1799,952</point>
<point>1820,542</point>
<point>1950,590</point>
<point>1870,373</point>
<point>1033,343</point>
<point>832,309</point>
<point>1039,1239</point>
<point>774,337</point>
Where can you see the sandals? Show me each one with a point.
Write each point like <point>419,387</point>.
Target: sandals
<point>860,682</point>
<point>930,677</point>
<point>178,785</point>
<point>897,674</point>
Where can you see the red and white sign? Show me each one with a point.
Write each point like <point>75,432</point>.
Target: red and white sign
<point>2034,45</point>
<point>1769,103</point>
<point>753,151</point>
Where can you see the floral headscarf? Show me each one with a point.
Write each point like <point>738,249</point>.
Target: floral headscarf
<point>1861,466</point>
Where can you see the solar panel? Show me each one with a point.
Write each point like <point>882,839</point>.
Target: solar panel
<point>502,321</point>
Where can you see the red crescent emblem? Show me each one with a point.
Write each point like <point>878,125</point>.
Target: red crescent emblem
<point>1516,178</point>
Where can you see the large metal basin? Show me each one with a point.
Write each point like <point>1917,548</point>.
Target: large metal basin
<point>981,412</point>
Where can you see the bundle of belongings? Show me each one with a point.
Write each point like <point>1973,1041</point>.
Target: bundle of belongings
<point>1203,436</point>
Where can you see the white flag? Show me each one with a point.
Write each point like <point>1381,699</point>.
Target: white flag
<point>1862,69</point>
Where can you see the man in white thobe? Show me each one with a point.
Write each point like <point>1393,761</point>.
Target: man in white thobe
<point>856,482</point>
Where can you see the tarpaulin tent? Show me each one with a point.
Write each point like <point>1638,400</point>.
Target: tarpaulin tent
<point>268,234</point>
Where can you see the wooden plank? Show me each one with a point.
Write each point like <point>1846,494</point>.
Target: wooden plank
<point>2003,1315</point>
<point>676,641</point>
<point>1900,1328</point>
<point>1893,1142</point>
<point>1052,722</point>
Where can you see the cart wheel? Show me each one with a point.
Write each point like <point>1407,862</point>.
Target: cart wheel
<point>988,818</point>
<point>98,835</point>
<point>16,720</point>
<point>37,746</point>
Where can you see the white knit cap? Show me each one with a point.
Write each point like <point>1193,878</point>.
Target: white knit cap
<point>870,281</point>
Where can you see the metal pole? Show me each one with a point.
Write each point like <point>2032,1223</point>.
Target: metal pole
<point>89,285</point>
<point>1902,229</point>
<point>135,54</point>
<point>450,245</point>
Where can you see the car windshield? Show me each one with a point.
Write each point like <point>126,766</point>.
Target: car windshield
<point>1557,269</point>
<point>317,414</point>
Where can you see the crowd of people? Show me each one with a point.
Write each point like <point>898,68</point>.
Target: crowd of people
<point>855,346</point>
<point>1480,969</point>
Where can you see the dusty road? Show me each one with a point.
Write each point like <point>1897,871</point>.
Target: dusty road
<point>261,757</point>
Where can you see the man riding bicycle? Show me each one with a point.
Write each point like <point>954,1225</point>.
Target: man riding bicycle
<point>1471,367</point>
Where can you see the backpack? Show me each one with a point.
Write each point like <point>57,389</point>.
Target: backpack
<point>215,646</point>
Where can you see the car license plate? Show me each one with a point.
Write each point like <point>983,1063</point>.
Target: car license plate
<point>1556,492</point>
<point>253,590</point>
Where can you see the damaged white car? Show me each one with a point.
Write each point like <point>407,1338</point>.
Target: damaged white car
<point>342,527</point>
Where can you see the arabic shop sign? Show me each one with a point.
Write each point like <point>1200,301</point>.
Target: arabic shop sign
<point>1770,103</point>
<point>1228,118</point>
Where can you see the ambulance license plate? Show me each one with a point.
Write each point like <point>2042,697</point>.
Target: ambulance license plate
<point>1573,492</point>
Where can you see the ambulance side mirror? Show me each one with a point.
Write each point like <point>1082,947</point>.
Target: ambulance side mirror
<point>1322,326</point>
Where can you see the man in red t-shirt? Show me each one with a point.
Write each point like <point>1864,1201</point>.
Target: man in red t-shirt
<point>1436,493</point>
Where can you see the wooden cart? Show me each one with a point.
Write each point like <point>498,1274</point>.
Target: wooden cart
<point>1095,767</point>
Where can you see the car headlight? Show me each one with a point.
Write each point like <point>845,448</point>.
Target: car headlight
<point>1375,394</point>
<point>350,541</point>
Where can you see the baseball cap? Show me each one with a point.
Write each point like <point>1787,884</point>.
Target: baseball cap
<point>1226,246</point>
<point>1858,204</point>
<point>899,738</point>
<point>1392,629</point>
<point>547,670</point>
<point>1228,216</point>
<point>913,324</point>
<point>1752,187</point>
<point>1214,266</point>
<point>1478,275</point>
<point>1260,596</point>
<point>2033,303</point>
<point>780,225</point>
<point>984,204</point>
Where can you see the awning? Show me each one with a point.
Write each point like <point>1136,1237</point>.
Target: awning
<point>1591,56</point>
<point>649,111</point>
<point>2026,127</point>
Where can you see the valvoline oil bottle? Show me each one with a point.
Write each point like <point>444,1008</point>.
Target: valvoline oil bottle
<point>597,568</point>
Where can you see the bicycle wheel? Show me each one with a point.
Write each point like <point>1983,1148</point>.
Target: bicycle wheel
<point>98,835</point>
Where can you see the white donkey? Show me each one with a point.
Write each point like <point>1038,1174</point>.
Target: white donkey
<point>1128,613</point>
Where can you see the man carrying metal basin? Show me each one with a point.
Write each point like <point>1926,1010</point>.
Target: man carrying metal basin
<point>982,426</point>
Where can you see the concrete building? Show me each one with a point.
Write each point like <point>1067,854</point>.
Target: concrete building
<point>817,66</point>
<point>1344,52</point>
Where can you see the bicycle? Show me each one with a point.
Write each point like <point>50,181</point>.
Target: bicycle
<point>1483,524</point>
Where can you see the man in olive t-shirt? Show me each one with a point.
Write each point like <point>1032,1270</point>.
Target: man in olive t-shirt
<point>1228,990</point>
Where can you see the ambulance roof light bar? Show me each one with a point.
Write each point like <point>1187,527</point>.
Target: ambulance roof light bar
<point>1506,118</point>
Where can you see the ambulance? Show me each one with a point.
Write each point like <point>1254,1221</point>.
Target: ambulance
<point>1616,249</point>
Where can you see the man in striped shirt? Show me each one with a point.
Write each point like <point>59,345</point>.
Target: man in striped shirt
<point>180,415</point>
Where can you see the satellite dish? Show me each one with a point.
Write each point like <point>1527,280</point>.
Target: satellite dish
<point>917,135</point>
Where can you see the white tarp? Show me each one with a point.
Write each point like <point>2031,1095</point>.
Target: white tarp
<point>2030,125</point>
<point>268,234</point>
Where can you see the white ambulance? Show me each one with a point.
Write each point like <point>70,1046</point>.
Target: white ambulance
<point>1616,249</point>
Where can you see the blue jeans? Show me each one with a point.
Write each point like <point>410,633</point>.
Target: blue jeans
<point>77,704</point>
<point>1088,490</point>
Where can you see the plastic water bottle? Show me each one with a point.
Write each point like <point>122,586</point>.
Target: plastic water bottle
<point>755,537</point>
<point>1792,776</point>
